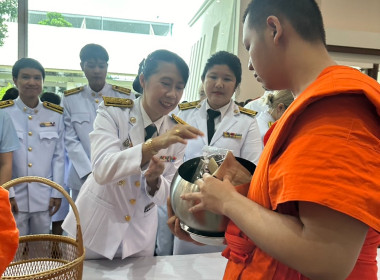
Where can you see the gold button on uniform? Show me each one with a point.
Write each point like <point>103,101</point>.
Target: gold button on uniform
<point>127,218</point>
<point>132,119</point>
<point>30,117</point>
<point>29,164</point>
<point>132,201</point>
<point>96,100</point>
<point>30,133</point>
<point>137,184</point>
<point>121,183</point>
<point>30,149</point>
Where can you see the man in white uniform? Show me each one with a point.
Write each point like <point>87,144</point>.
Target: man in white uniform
<point>40,130</point>
<point>80,111</point>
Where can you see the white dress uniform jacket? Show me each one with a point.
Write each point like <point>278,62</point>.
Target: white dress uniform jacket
<point>248,146</point>
<point>264,120</point>
<point>40,131</point>
<point>114,205</point>
<point>80,111</point>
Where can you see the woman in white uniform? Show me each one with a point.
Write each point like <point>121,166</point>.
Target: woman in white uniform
<point>234,128</point>
<point>130,175</point>
<point>277,101</point>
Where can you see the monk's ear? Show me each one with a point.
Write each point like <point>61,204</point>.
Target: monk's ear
<point>275,28</point>
<point>142,80</point>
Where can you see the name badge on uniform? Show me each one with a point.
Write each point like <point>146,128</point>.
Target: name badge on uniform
<point>168,158</point>
<point>148,207</point>
<point>46,124</point>
<point>232,135</point>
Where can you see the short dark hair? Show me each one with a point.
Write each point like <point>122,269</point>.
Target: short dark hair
<point>50,97</point>
<point>10,94</point>
<point>224,58</point>
<point>93,51</point>
<point>304,15</point>
<point>27,63</point>
<point>149,66</point>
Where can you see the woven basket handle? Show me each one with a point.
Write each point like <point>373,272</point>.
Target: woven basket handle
<point>54,185</point>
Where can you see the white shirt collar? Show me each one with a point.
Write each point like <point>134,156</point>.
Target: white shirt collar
<point>147,121</point>
<point>222,110</point>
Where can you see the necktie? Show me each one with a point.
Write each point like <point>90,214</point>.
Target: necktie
<point>211,123</point>
<point>150,130</point>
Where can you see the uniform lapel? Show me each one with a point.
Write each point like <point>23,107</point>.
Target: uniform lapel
<point>201,120</point>
<point>136,124</point>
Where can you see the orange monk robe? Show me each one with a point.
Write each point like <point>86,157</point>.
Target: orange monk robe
<point>325,149</point>
<point>8,232</point>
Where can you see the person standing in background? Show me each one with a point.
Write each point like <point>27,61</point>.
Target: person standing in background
<point>277,101</point>
<point>228,125</point>
<point>80,111</point>
<point>40,130</point>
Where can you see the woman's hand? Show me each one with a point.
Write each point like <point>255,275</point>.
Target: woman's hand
<point>213,195</point>
<point>155,169</point>
<point>178,134</point>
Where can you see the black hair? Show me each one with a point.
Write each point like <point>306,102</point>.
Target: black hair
<point>224,58</point>
<point>27,63</point>
<point>136,83</point>
<point>304,15</point>
<point>149,66</point>
<point>10,94</point>
<point>93,51</point>
<point>50,97</point>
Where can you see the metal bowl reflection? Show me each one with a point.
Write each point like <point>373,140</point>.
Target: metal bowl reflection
<point>202,223</point>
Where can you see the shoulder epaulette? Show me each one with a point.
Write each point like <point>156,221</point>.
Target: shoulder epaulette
<point>178,119</point>
<point>6,103</point>
<point>118,102</point>
<point>72,91</point>
<point>53,107</point>
<point>188,105</point>
<point>121,89</point>
<point>247,111</point>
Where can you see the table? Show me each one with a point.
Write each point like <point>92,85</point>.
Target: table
<point>187,267</point>
<point>198,266</point>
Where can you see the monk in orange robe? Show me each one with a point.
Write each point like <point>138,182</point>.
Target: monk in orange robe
<point>8,232</point>
<point>312,208</point>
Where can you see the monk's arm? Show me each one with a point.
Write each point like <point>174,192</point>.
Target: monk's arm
<point>321,244</point>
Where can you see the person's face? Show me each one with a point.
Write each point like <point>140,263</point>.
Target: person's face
<point>255,46</point>
<point>219,85</point>
<point>29,83</point>
<point>162,91</point>
<point>95,71</point>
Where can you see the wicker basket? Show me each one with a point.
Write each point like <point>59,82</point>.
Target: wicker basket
<point>47,256</point>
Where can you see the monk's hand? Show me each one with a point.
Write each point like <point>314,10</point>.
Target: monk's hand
<point>14,205</point>
<point>54,205</point>
<point>213,194</point>
<point>174,226</point>
<point>155,169</point>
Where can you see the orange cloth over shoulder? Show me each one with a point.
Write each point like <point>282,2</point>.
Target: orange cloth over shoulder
<point>8,232</point>
<point>324,149</point>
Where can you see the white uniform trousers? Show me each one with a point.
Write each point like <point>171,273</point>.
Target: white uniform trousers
<point>164,239</point>
<point>33,223</point>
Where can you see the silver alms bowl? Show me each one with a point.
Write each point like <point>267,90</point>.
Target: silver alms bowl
<point>202,223</point>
